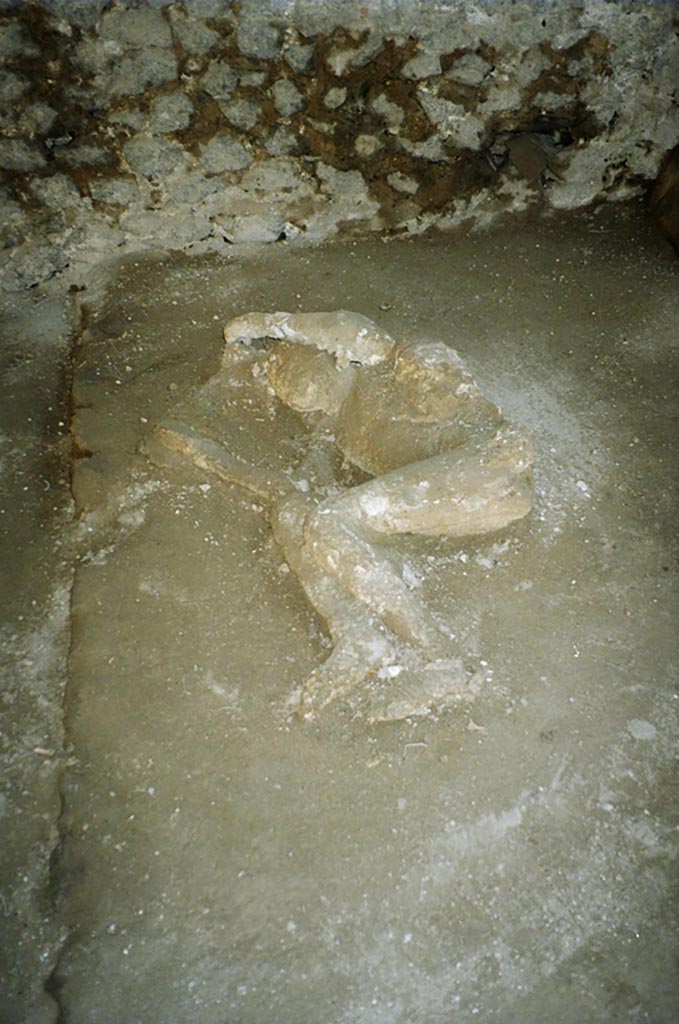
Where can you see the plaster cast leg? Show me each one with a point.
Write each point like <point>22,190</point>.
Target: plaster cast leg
<point>408,681</point>
<point>361,645</point>
<point>342,541</point>
<point>478,488</point>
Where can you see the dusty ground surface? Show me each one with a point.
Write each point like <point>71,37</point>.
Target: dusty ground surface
<point>513,859</point>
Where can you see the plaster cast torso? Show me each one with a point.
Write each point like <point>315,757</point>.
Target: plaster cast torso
<point>441,458</point>
<point>405,404</point>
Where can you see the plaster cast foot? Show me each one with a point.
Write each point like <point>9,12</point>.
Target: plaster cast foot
<point>409,692</point>
<point>361,644</point>
<point>354,660</point>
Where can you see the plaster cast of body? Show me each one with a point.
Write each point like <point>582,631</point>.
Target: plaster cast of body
<point>441,460</point>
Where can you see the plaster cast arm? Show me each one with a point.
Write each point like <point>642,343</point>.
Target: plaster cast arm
<point>215,458</point>
<point>348,336</point>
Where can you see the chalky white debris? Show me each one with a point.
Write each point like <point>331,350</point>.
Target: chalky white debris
<point>441,459</point>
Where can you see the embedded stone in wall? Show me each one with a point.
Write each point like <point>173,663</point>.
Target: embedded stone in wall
<point>57,192</point>
<point>499,97</point>
<point>148,226</point>
<point>274,176</point>
<point>12,219</point>
<point>171,112</point>
<point>31,265</point>
<point>402,183</point>
<point>335,97</point>
<point>19,155</point>
<point>220,80</point>
<point>424,65</point>
<point>12,86</point>
<point>37,119</point>
<point>153,157</point>
<point>84,155</point>
<point>81,13</point>
<point>451,120</point>
<point>391,113</point>
<point>589,165</point>
<point>524,69</point>
<point>258,38</point>
<point>224,153</point>
<point>16,41</point>
<point>193,187</point>
<point>115,191</point>
<point>552,101</point>
<point>252,79</point>
<point>340,60</point>
<point>367,145</point>
<point>282,142</point>
<point>130,118</point>
<point>135,25</point>
<point>343,183</point>
<point>470,69</point>
<point>250,224</point>
<point>119,73</point>
<point>298,55</point>
<point>242,113</point>
<point>432,149</point>
<point>286,97</point>
<point>211,9</point>
<point>192,34</point>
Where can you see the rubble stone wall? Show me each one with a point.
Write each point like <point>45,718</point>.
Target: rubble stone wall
<point>202,123</point>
